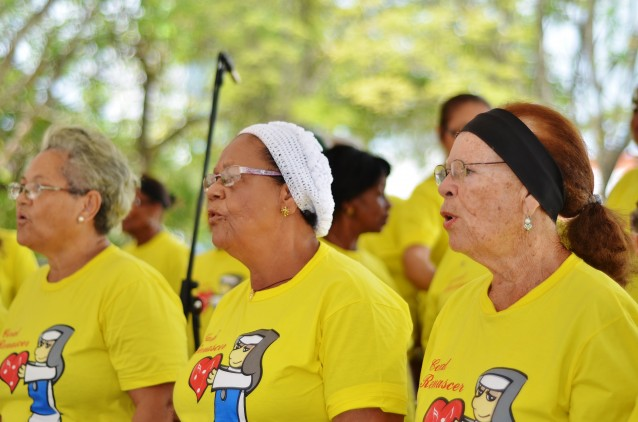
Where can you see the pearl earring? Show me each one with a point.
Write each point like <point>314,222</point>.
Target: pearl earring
<point>81,219</point>
<point>527,223</point>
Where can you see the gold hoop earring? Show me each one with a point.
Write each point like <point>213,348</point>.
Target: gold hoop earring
<point>285,211</point>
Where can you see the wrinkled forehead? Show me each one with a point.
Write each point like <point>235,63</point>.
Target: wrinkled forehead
<point>470,148</point>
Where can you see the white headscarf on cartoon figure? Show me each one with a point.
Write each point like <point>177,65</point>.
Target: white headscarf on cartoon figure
<point>303,166</point>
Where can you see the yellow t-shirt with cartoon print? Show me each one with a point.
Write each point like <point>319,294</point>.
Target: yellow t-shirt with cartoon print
<point>331,339</point>
<point>74,347</point>
<point>566,351</point>
<point>167,254</point>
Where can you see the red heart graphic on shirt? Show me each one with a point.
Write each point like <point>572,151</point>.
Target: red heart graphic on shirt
<point>443,411</point>
<point>9,368</point>
<point>200,372</point>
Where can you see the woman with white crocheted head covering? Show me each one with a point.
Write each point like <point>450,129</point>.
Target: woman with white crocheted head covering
<point>337,350</point>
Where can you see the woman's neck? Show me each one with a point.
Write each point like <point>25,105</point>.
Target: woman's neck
<point>343,233</point>
<point>517,275</point>
<point>66,261</point>
<point>275,265</point>
<point>147,233</point>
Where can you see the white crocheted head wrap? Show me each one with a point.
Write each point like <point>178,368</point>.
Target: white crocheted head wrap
<point>302,165</point>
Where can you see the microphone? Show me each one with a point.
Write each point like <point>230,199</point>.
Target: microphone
<point>228,65</point>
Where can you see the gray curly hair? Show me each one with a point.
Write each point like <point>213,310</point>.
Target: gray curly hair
<point>95,164</point>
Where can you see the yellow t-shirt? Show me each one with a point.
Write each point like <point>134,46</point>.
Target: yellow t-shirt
<point>632,288</point>
<point>624,196</point>
<point>385,245</point>
<point>566,351</point>
<point>217,273</point>
<point>454,271</point>
<point>422,223</point>
<point>368,260</point>
<point>378,268</point>
<point>3,316</point>
<point>331,339</point>
<point>112,326</point>
<point>415,221</point>
<point>16,264</point>
<point>167,254</point>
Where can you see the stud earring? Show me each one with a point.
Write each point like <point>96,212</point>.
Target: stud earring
<point>527,223</point>
<point>285,211</point>
<point>80,219</point>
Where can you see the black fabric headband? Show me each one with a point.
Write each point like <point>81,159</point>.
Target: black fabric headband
<point>511,139</point>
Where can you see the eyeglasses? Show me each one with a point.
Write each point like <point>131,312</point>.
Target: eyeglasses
<point>33,190</point>
<point>230,175</point>
<point>458,169</point>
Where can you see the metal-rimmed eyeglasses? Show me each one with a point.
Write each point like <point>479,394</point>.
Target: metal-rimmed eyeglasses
<point>458,169</point>
<point>231,175</point>
<point>33,190</point>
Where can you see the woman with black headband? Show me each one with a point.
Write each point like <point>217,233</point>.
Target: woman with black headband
<point>552,319</point>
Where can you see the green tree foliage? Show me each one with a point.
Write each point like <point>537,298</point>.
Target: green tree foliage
<point>142,72</point>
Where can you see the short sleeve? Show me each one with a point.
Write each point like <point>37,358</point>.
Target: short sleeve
<point>605,385</point>
<point>144,330</point>
<point>364,357</point>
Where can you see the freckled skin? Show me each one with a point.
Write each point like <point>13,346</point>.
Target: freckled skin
<point>488,202</point>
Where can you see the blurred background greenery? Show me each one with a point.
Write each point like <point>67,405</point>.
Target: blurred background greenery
<point>373,71</point>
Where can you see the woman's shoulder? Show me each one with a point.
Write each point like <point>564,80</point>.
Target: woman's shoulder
<point>119,268</point>
<point>598,289</point>
<point>341,275</point>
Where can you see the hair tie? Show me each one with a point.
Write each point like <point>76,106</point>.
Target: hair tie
<point>594,199</point>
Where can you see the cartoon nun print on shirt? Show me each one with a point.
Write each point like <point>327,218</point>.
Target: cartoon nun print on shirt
<point>44,371</point>
<point>232,383</point>
<point>495,392</point>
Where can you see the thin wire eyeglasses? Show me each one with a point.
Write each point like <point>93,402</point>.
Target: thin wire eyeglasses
<point>230,175</point>
<point>33,190</point>
<point>458,169</point>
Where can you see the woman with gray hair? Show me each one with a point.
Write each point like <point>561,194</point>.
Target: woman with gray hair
<point>341,338</point>
<point>128,332</point>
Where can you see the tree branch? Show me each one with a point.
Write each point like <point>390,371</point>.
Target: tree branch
<point>177,131</point>
<point>8,59</point>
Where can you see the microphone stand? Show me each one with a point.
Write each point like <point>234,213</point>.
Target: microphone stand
<point>193,305</point>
